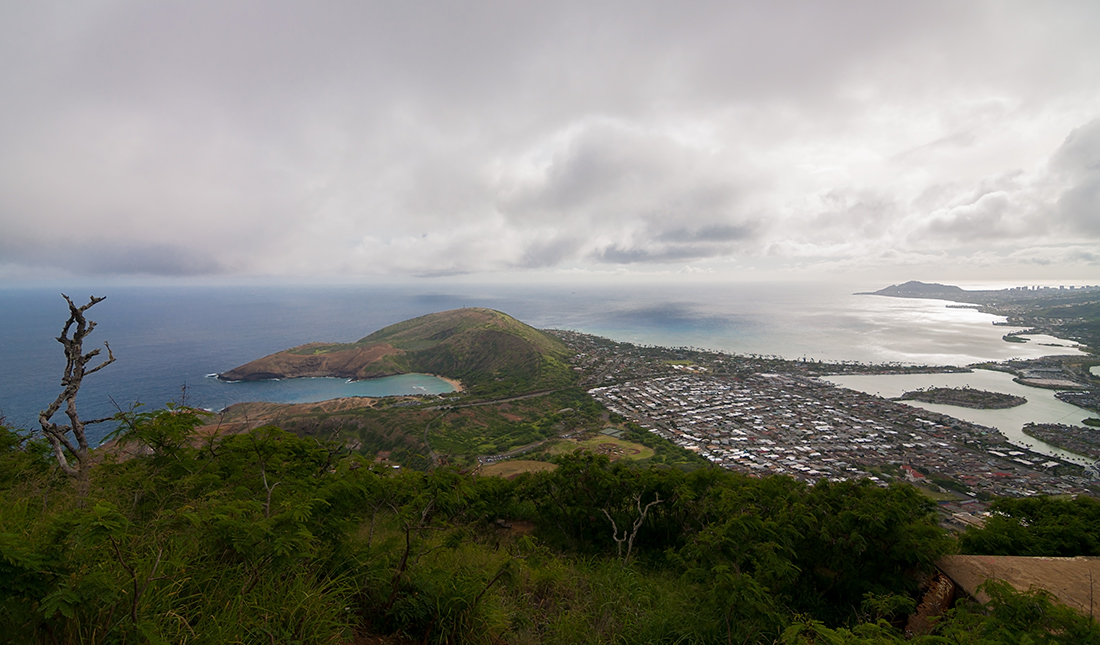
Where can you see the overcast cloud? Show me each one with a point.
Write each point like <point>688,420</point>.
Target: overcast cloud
<point>395,139</point>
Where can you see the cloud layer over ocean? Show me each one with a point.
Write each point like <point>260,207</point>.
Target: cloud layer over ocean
<point>397,139</point>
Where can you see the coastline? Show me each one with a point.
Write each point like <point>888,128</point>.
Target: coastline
<point>455,383</point>
<point>1041,406</point>
<point>217,333</point>
<point>1024,307</point>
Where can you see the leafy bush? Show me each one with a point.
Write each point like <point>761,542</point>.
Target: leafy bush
<point>1037,526</point>
<point>272,537</point>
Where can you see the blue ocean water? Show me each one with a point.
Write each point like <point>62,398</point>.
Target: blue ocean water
<point>166,338</point>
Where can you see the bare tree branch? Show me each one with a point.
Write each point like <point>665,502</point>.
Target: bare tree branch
<point>75,371</point>
<point>263,474</point>
<point>642,512</point>
<point>628,538</point>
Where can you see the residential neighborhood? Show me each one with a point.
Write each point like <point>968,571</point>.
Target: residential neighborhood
<point>766,415</point>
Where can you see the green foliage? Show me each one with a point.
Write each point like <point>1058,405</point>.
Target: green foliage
<point>1037,526</point>
<point>165,432</point>
<point>459,433</point>
<point>1009,618</point>
<point>666,453</point>
<point>23,458</point>
<point>492,353</point>
<point>851,528</point>
<point>225,541</point>
<point>1013,617</point>
<point>816,549</point>
<point>273,537</point>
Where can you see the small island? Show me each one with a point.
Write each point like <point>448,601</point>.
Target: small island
<point>964,397</point>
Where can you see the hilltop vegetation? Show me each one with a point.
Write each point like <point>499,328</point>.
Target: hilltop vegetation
<point>270,537</point>
<point>1038,527</point>
<point>491,353</point>
<point>419,433</point>
<point>237,531</point>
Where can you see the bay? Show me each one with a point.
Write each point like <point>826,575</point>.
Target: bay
<point>167,338</point>
<point>1041,406</point>
<point>312,390</point>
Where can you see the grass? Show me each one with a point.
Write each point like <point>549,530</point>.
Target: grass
<point>603,444</point>
<point>508,469</point>
<point>458,431</point>
<point>487,430</point>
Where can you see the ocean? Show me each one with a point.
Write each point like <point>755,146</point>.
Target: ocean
<point>169,338</point>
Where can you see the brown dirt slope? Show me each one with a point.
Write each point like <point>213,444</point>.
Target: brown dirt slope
<point>1072,581</point>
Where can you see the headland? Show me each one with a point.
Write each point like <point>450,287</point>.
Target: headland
<point>478,348</point>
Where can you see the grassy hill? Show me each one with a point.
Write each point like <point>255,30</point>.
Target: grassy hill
<point>490,352</point>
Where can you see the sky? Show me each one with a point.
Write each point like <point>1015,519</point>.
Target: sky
<point>388,141</point>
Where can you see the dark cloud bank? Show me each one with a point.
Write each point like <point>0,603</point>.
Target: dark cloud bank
<point>430,139</point>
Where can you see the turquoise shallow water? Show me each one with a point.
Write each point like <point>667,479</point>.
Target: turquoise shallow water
<point>311,390</point>
<point>169,337</point>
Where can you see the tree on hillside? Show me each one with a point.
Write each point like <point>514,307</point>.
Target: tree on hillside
<point>76,369</point>
<point>1037,527</point>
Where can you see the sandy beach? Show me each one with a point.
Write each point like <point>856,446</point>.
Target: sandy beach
<point>457,385</point>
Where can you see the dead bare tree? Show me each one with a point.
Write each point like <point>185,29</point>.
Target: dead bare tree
<point>629,537</point>
<point>75,371</point>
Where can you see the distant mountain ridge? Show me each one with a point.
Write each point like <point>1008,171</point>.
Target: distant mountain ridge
<point>1071,313</point>
<point>483,348</point>
<point>915,289</point>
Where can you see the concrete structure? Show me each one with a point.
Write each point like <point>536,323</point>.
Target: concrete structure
<point>1075,582</point>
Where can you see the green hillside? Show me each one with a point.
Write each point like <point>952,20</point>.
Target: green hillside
<point>432,329</point>
<point>269,537</point>
<point>490,352</point>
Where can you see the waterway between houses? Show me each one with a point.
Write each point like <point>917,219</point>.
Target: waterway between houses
<point>1041,406</point>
